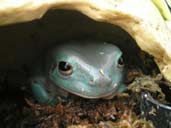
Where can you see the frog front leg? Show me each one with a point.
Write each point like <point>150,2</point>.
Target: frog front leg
<point>122,87</point>
<point>43,91</point>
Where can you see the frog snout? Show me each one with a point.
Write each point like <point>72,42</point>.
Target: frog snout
<point>101,82</point>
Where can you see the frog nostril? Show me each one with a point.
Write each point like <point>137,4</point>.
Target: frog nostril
<point>92,82</point>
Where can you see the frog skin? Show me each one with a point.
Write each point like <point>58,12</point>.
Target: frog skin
<point>89,69</point>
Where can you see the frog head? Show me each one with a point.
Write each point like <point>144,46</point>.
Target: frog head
<point>88,69</point>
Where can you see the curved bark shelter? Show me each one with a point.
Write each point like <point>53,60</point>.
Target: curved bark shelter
<point>140,18</point>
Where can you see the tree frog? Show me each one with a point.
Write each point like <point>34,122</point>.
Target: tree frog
<point>89,69</point>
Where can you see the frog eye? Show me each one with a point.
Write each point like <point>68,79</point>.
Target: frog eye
<point>120,62</point>
<point>65,68</point>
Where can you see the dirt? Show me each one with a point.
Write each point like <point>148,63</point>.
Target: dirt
<point>19,110</point>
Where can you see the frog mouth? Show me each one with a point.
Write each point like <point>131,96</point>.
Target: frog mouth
<point>109,93</point>
<point>83,93</point>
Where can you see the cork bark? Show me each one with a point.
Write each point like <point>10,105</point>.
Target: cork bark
<point>140,18</point>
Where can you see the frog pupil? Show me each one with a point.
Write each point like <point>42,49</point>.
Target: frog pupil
<point>64,66</point>
<point>120,62</point>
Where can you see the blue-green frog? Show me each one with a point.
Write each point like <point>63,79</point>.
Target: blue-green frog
<point>89,69</point>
